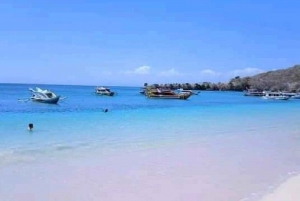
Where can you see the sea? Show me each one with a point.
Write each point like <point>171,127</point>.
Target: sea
<point>215,146</point>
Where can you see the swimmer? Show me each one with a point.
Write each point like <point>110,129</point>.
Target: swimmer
<point>30,126</point>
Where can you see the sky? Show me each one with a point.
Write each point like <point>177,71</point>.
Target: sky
<point>128,43</point>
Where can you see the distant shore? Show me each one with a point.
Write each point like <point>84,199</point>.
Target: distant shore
<point>288,191</point>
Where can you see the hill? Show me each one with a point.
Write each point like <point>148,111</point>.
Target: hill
<point>278,80</point>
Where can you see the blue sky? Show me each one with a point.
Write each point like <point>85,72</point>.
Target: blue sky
<point>116,42</point>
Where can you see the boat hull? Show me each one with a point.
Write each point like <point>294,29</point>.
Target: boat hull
<point>277,98</point>
<point>179,96</point>
<point>256,95</point>
<point>48,101</point>
<point>106,94</point>
<point>188,92</point>
<point>295,96</point>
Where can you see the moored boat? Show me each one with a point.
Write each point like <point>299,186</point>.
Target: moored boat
<point>104,91</point>
<point>44,96</point>
<point>296,96</point>
<point>166,94</point>
<point>143,91</point>
<point>253,92</point>
<point>292,95</point>
<point>275,96</point>
<point>181,91</point>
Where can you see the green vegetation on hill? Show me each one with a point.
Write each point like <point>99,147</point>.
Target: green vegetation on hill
<point>277,80</point>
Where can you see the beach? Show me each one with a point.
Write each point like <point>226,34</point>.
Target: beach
<point>215,146</point>
<point>168,172</point>
<point>288,191</point>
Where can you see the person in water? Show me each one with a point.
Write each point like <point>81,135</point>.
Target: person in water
<point>105,110</point>
<point>30,126</point>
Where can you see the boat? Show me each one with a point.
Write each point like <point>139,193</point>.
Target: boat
<point>296,96</point>
<point>275,96</point>
<point>104,91</point>
<point>143,91</point>
<point>181,91</point>
<point>253,92</point>
<point>292,95</point>
<point>166,94</point>
<point>43,96</point>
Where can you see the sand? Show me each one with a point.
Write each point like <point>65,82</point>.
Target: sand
<point>288,191</point>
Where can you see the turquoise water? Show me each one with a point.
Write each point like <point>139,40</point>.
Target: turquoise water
<point>132,118</point>
<point>230,126</point>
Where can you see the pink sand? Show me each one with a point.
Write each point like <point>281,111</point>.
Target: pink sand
<point>221,169</point>
<point>288,191</point>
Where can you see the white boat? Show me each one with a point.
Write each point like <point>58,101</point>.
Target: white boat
<point>253,92</point>
<point>43,96</point>
<point>181,91</point>
<point>292,95</point>
<point>296,96</point>
<point>275,96</point>
<point>104,91</point>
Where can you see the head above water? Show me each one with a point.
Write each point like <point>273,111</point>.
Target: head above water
<point>105,110</point>
<point>30,126</point>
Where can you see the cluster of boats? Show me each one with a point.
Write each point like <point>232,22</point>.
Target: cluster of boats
<point>47,96</point>
<point>272,95</point>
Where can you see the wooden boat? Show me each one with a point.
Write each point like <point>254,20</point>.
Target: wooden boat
<point>166,94</point>
<point>44,96</point>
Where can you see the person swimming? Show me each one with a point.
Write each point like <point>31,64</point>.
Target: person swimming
<point>30,126</point>
<point>105,110</point>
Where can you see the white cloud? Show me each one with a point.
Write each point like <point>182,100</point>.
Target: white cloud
<point>170,72</point>
<point>246,72</point>
<point>143,70</point>
<point>209,72</point>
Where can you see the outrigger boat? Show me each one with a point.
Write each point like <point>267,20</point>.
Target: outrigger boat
<point>43,96</point>
<point>166,94</point>
<point>104,91</point>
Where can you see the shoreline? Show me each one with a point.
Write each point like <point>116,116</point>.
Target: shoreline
<point>287,191</point>
<point>187,171</point>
